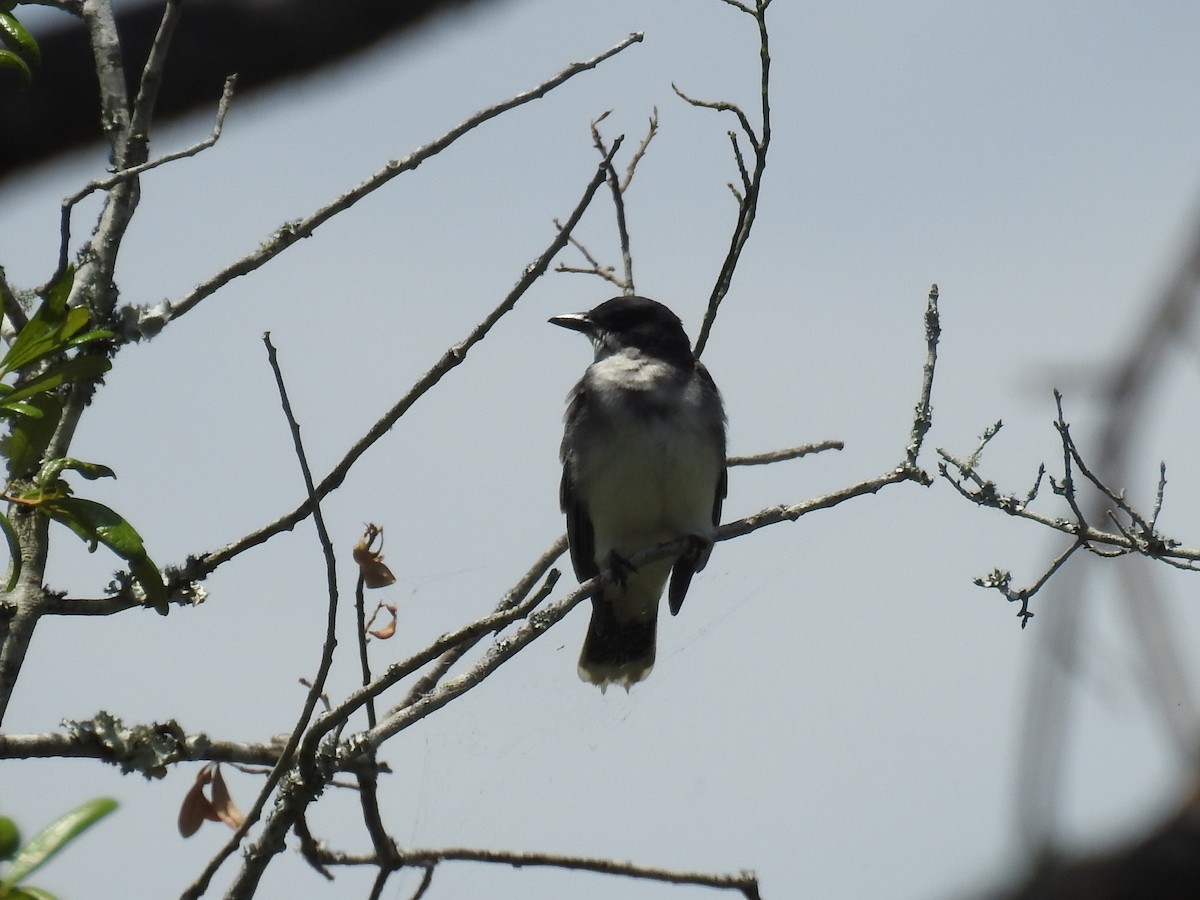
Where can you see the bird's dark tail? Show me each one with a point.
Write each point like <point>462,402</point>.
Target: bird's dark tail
<point>616,652</point>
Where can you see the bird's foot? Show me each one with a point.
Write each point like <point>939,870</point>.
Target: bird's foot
<point>621,567</point>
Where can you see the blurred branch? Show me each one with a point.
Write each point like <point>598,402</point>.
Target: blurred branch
<point>1051,681</point>
<point>1164,864</point>
<point>268,43</point>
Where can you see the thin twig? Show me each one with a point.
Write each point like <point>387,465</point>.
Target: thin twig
<point>923,417</point>
<point>1001,581</point>
<point>747,201</point>
<point>291,232</point>
<point>296,799</point>
<point>516,595</point>
<point>199,567</point>
<point>380,882</point>
<point>774,456</point>
<point>152,75</point>
<point>537,623</point>
<point>605,272</point>
<point>368,782</point>
<point>288,760</point>
<point>744,882</point>
<point>641,150</point>
<point>426,881</point>
<point>104,184</point>
<point>720,106</point>
<point>614,184</point>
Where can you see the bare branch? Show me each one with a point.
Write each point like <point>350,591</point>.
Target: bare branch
<point>751,180</point>
<point>147,748</point>
<point>1139,536</point>
<point>1158,497</point>
<point>291,232</point>
<point>104,184</point>
<point>515,596</point>
<point>641,151</point>
<point>114,99</point>
<point>618,203</point>
<point>741,164</point>
<point>152,73</point>
<point>775,456</point>
<point>923,418</point>
<point>605,272</point>
<point>1002,582</point>
<point>288,759</point>
<point>744,882</point>
<point>721,106</point>
<point>199,567</point>
<point>425,882</point>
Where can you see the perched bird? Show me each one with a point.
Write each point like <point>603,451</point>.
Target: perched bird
<point>643,457</point>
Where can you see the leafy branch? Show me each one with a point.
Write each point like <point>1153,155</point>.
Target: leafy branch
<point>51,353</point>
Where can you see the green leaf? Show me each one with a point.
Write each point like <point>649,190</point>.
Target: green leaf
<point>52,468</point>
<point>55,836</point>
<point>76,318</point>
<point>96,523</point>
<point>14,551</point>
<point>29,893</point>
<point>21,409</point>
<point>10,60</point>
<point>49,329</point>
<point>29,436</point>
<point>100,334</point>
<point>17,36</point>
<point>10,837</point>
<point>74,369</point>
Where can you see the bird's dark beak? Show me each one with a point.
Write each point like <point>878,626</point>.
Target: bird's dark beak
<point>574,321</point>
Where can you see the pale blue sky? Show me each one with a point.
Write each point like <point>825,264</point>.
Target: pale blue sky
<point>836,706</point>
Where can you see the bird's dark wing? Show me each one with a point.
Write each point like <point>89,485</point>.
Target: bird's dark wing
<point>695,558</point>
<point>580,537</point>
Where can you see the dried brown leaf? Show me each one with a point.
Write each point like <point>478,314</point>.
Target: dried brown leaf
<point>196,806</point>
<point>375,574</point>
<point>222,803</point>
<point>386,631</point>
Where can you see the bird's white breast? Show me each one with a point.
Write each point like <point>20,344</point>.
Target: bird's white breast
<point>660,476</point>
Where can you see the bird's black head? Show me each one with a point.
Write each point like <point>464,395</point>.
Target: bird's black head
<point>636,322</point>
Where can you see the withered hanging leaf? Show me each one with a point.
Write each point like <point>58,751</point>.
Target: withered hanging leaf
<point>370,561</point>
<point>223,804</point>
<point>387,630</point>
<point>197,806</point>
